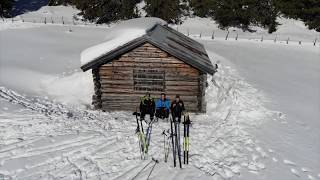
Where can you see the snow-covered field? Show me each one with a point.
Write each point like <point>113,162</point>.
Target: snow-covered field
<point>262,117</point>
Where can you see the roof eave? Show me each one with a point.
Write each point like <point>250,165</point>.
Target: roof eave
<point>105,58</point>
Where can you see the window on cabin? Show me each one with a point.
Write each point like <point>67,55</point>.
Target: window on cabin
<point>150,80</point>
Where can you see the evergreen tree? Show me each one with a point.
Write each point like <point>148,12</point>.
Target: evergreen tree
<point>201,8</point>
<point>5,8</point>
<point>306,10</point>
<point>169,11</point>
<point>238,13</point>
<point>128,9</point>
<point>58,2</point>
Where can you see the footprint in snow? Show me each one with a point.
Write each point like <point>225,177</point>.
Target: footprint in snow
<point>305,169</point>
<point>274,159</point>
<point>287,162</point>
<point>261,151</point>
<point>271,150</point>
<point>295,172</point>
<point>311,177</point>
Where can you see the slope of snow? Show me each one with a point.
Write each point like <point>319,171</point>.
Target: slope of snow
<point>293,29</point>
<point>16,25</point>
<point>51,13</point>
<point>289,76</point>
<point>120,35</point>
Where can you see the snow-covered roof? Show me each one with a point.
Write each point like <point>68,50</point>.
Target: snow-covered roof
<point>132,34</point>
<point>120,35</point>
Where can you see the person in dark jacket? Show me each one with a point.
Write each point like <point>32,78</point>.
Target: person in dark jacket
<point>177,107</point>
<point>147,106</point>
<point>162,107</point>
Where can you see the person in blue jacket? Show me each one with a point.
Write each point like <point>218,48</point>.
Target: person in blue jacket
<point>163,107</point>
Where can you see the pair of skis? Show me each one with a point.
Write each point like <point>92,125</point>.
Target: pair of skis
<point>186,125</point>
<point>175,138</point>
<point>144,139</point>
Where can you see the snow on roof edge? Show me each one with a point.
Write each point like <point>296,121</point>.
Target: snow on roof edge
<point>119,35</point>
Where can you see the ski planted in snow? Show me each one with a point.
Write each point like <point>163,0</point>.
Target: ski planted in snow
<point>186,125</point>
<point>166,144</point>
<point>144,138</point>
<point>177,133</point>
<point>173,143</point>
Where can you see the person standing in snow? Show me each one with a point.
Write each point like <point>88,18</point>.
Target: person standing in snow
<point>147,106</point>
<point>162,107</point>
<point>177,107</point>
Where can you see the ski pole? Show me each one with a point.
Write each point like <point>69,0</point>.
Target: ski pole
<point>155,163</point>
<point>173,144</point>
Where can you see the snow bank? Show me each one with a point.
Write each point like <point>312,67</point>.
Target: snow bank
<point>52,11</point>
<point>295,30</point>
<point>123,33</point>
<point>4,25</point>
<point>76,94</point>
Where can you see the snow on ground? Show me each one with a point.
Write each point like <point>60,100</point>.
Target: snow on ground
<point>289,76</point>
<point>57,14</point>
<point>255,126</point>
<point>44,139</point>
<point>289,28</point>
<point>16,25</point>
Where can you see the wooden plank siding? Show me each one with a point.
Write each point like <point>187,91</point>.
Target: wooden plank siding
<point>117,87</point>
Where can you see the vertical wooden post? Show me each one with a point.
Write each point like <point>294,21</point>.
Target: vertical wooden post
<point>212,37</point>
<point>288,40</point>
<point>96,98</point>
<point>202,93</point>
<point>200,34</point>
<point>227,35</point>
<point>237,37</point>
<point>45,20</point>
<point>262,38</point>
<point>315,41</point>
<point>52,21</point>
<point>275,39</point>
<point>62,20</point>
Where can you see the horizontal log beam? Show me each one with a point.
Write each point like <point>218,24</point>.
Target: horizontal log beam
<point>131,82</point>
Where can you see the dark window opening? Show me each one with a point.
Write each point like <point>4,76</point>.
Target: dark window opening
<point>151,80</point>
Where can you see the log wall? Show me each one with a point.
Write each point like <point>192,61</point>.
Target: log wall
<point>121,82</point>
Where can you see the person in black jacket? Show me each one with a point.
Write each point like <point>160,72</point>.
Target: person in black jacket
<point>177,107</point>
<point>147,106</point>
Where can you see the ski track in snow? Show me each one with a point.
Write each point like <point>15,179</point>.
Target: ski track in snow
<point>47,140</point>
<point>81,143</point>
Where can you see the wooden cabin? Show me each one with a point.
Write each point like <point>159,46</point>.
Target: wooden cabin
<point>163,60</point>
